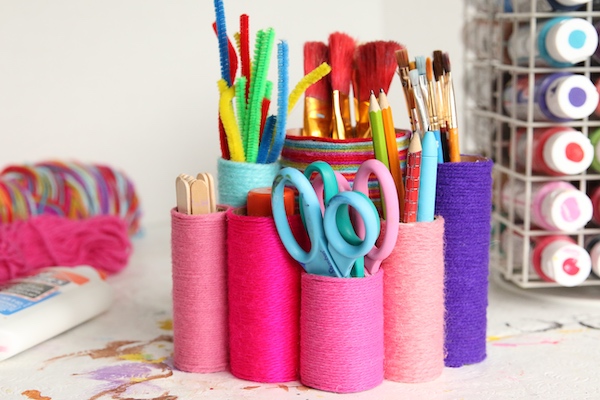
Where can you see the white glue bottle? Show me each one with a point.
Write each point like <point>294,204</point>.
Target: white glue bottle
<point>555,151</point>
<point>38,307</point>
<point>557,258</point>
<point>555,206</point>
<point>558,42</point>
<point>560,97</point>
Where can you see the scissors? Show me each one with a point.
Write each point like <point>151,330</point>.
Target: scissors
<point>389,201</point>
<point>330,254</point>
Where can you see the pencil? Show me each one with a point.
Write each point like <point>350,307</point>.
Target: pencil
<point>377,130</point>
<point>413,171</point>
<point>428,178</point>
<point>392,147</point>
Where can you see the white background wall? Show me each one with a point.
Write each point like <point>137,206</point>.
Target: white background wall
<point>132,83</point>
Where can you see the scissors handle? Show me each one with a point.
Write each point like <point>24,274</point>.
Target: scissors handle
<point>389,200</point>
<point>318,260</point>
<point>343,252</point>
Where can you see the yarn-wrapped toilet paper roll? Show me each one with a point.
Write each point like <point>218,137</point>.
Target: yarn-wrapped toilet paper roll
<point>235,179</point>
<point>413,288</point>
<point>464,200</point>
<point>199,272</point>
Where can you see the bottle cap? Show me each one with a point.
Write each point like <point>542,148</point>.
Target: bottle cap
<point>568,152</point>
<point>565,263</point>
<point>572,97</point>
<point>259,202</point>
<point>571,40</point>
<point>566,209</point>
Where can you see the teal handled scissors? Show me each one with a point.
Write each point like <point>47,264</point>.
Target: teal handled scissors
<point>389,200</point>
<point>330,254</point>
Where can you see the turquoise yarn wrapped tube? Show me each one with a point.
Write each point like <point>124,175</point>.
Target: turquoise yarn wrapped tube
<point>236,179</point>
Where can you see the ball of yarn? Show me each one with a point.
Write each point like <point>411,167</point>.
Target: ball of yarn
<point>71,189</point>
<point>49,240</point>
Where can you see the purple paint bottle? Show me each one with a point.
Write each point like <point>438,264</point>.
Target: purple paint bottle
<point>560,97</point>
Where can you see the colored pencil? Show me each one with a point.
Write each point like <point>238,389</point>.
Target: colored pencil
<point>413,172</point>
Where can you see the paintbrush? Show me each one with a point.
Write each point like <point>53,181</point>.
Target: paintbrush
<point>403,72</point>
<point>317,98</point>
<point>453,142</point>
<point>438,74</point>
<point>375,65</point>
<point>341,52</point>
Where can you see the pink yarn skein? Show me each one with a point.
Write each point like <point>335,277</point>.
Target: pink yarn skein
<point>48,240</point>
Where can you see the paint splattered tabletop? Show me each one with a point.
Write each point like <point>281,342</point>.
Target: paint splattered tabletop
<point>539,346</point>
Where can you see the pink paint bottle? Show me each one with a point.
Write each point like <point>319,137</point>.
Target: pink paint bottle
<point>592,245</point>
<point>555,151</point>
<point>555,206</point>
<point>557,258</point>
<point>594,194</point>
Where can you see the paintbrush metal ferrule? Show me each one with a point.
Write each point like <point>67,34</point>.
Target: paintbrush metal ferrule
<point>339,130</point>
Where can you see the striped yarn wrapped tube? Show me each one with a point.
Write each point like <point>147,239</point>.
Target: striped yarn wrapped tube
<point>344,156</point>
<point>70,189</point>
<point>199,272</point>
<point>236,179</point>
<point>414,303</point>
<point>464,200</point>
<point>341,333</point>
<point>264,299</point>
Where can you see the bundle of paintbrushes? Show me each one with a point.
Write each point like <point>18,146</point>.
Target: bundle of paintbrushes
<point>332,105</point>
<point>248,132</point>
<point>429,95</point>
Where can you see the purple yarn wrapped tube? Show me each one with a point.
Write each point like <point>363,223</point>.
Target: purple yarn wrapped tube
<point>464,200</point>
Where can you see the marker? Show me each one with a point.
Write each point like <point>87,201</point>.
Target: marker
<point>428,179</point>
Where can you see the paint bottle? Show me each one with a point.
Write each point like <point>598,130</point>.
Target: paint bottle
<point>555,205</point>
<point>555,151</point>
<point>595,141</point>
<point>557,42</point>
<point>543,5</point>
<point>38,307</point>
<point>597,86</point>
<point>594,194</point>
<point>592,245</point>
<point>560,97</point>
<point>557,258</point>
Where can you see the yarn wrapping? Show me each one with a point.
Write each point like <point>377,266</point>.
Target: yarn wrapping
<point>71,189</point>
<point>236,179</point>
<point>413,290</point>
<point>344,156</point>
<point>43,241</point>
<point>341,326</point>
<point>199,273</point>
<point>464,200</point>
<point>264,299</point>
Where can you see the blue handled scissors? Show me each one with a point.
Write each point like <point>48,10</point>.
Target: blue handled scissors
<point>330,254</point>
<point>389,199</point>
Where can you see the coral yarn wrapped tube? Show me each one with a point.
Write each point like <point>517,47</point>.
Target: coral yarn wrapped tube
<point>264,299</point>
<point>413,290</point>
<point>464,200</point>
<point>198,245</point>
<point>341,333</point>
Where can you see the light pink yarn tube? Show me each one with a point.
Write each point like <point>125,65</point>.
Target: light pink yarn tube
<point>414,303</point>
<point>341,333</point>
<point>199,261</point>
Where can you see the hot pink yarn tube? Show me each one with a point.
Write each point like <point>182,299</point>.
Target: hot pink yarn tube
<point>341,333</point>
<point>414,303</point>
<point>198,245</point>
<point>264,300</point>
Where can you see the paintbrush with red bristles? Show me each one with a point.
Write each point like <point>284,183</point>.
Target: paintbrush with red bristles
<point>341,53</point>
<point>374,68</point>
<point>317,97</point>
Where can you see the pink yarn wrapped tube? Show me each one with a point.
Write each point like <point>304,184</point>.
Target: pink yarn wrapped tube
<point>264,299</point>
<point>341,333</point>
<point>199,272</point>
<point>414,303</point>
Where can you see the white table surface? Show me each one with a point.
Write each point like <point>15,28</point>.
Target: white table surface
<point>540,345</point>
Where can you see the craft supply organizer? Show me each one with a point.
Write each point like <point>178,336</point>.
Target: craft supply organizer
<point>494,130</point>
